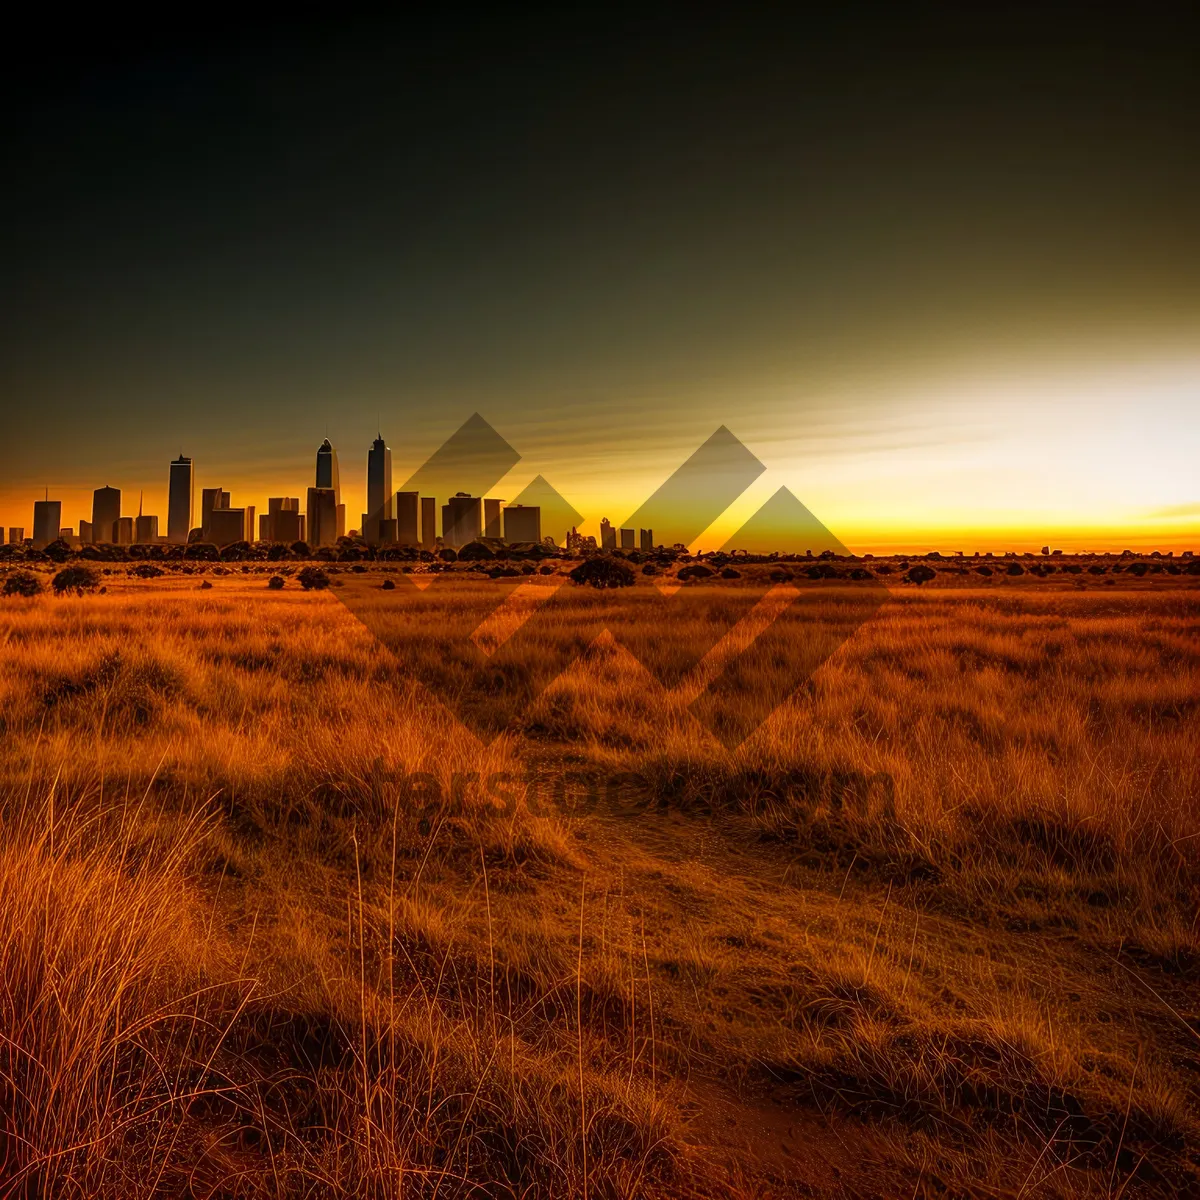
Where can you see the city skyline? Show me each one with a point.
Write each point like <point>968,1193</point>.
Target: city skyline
<point>1175,527</point>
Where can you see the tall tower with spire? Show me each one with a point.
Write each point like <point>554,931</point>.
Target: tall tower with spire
<point>379,488</point>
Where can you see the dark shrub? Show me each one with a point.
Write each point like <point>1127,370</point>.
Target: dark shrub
<point>1096,570</point>
<point>276,552</point>
<point>779,575</point>
<point>23,583</point>
<point>237,552</point>
<point>547,570</point>
<point>146,570</point>
<point>388,585</point>
<point>205,585</point>
<point>275,583</point>
<point>358,569</point>
<point>984,570</point>
<point>1015,569</point>
<point>696,571</point>
<point>476,552</point>
<point>300,549</point>
<point>730,573</point>
<point>313,578</point>
<point>603,572</point>
<point>203,552</point>
<point>650,569</point>
<point>58,551</point>
<point>78,579</point>
<point>448,555</point>
<point>920,574</point>
<point>883,569</point>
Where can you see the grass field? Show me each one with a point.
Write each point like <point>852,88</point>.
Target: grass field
<point>931,931</point>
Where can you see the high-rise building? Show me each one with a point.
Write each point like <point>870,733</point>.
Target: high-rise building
<point>322,516</point>
<point>626,539</point>
<point>645,539</point>
<point>226,525</point>
<point>1,535</point>
<point>248,527</point>
<point>406,507</point>
<point>106,509</point>
<point>146,530</point>
<point>123,531</point>
<point>379,488</point>
<point>462,520</point>
<point>523,523</point>
<point>85,532</point>
<point>181,501</point>
<point>47,521</point>
<point>16,534</point>
<point>491,519</point>
<point>327,470</point>
<point>428,522</point>
<point>212,500</point>
<point>608,535</point>
<point>281,522</point>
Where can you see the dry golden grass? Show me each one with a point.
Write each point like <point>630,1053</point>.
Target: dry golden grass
<point>238,961</point>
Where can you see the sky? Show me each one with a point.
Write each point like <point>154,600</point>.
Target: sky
<point>939,272</point>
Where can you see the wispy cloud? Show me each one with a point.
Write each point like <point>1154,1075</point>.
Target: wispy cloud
<point>1179,510</point>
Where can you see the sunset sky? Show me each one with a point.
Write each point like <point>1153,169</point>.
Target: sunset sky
<point>940,274</point>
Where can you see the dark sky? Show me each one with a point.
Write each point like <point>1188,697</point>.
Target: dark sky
<point>227,240</point>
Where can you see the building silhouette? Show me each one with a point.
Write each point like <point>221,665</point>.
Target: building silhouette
<point>491,519</point>
<point>522,523</point>
<point>379,489</point>
<point>328,477</point>
<point>181,500</point>
<point>47,521</point>
<point>428,522</point>
<point>85,532</point>
<point>282,522</point>
<point>212,500</point>
<point>627,539</point>
<point>145,531</point>
<point>645,539</point>
<point>123,531</point>
<point>462,520</point>
<point>106,509</point>
<point>608,535</point>
<point>322,516</point>
<point>16,534</point>
<point>227,525</point>
<point>407,509</point>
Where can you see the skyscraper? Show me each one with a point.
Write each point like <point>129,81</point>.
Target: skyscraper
<point>181,503</point>
<point>428,522</point>
<point>16,534</point>
<point>123,531</point>
<point>491,519</point>
<point>106,510</point>
<point>627,539</point>
<point>407,510</point>
<point>47,521</point>
<point>146,530</point>
<point>462,520</point>
<point>211,500</point>
<point>608,535</point>
<point>322,516</point>
<point>327,470</point>
<point>379,488</point>
<point>646,539</point>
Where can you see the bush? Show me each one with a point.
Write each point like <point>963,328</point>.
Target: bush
<point>300,550</point>
<point>920,575</point>
<point>76,579</point>
<point>23,583</point>
<point>202,552</point>
<point>475,552</point>
<point>697,571</point>
<point>730,573</point>
<point>603,572</point>
<point>146,570</point>
<point>313,578</point>
<point>275,583</point>
<point>1015,569</point>
<point>388,585</point>
<point>58,551</point>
